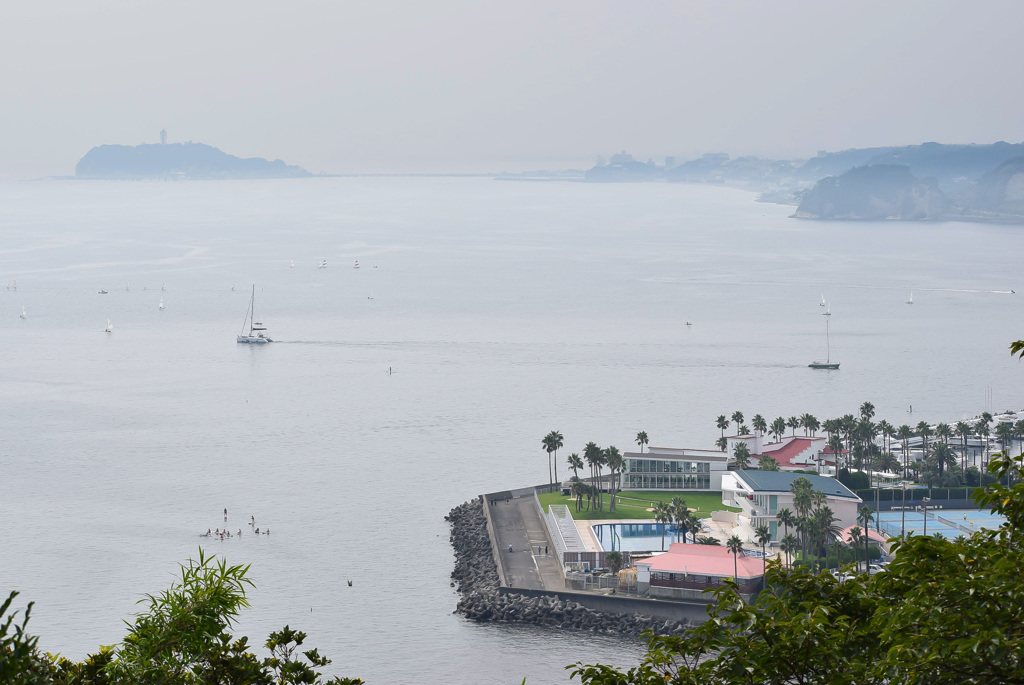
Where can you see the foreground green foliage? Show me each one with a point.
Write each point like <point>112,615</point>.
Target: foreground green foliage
<point>182,638</point>
<point>945,611</point>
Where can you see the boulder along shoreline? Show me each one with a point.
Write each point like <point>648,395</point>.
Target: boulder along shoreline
<point>476,577</point>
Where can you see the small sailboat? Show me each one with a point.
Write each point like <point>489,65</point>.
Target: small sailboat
<point>356,265</point>
<point>103,292</point>
<point>127,287</point>
<point>370,296</point>
<point>161,305</point>
<point>910,300</point>
<point>828,363</point>
<point>257,331</point>
<point>110,327</point>
<point>822,303</point>
<point>291,264</point>
<point>828,311</point>
<point>688,323</point>
<point>321,264</point>
<point>24,314</point>
<point>163,286</point>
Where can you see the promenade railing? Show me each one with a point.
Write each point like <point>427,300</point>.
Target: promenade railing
<point>563,532</point>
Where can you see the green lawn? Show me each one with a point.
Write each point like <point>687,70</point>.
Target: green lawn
<point>633,504</point>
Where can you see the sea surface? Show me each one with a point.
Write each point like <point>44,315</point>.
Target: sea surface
<point>500,311</point>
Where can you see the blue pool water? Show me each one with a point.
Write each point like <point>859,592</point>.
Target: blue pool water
<point>635,537</point>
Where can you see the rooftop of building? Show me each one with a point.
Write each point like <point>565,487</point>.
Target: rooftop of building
<point>782,481</point>
<point>706,560</point>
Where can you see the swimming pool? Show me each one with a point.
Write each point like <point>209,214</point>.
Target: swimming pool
<point>634,537</point>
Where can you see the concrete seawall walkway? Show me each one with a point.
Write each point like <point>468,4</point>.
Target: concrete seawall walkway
<point>517,523</point>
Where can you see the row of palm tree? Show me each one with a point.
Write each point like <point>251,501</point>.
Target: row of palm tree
<point>853,438</point>
<point>676,512</point>
<point>778,427</point>
<point>813,520</point>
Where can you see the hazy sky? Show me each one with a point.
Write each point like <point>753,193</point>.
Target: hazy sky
<point>378,85</point>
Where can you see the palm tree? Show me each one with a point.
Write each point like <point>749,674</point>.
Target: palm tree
<point>981,428</point>
<point>944,456</point>
<point>963,429</point>
<point>578,489</point>
<point>854,540</point>
<point>786,518</point>
<point>722,423</point>
<point>735,546</point>
<point>865,515</point>
<point>778,428</point>
<point>887,431</point>
<point>835,444</point>
<point>768,463</point>
<point>825,528</point>
<point>695,524</point>
<point>575,463</point>
<point>663,515</point>
<point>867,411</point>
<point>889,462</point>
<point>722,443</point>
<point>552,442</point>
<point>794,423</point>
<point>1004,434</point>
<point>613,459</point>
<point>556,441</point>
<point>641,439</point>
<point>986,419</point>
<point>763,535</point>
<point>925,431</point>
<point>759,423</point>
<point>741,453</point>
<point>1018,428</point>
<point>904,433</point>
<point>592,455</point>
<point>737,419</point>
<point>809,423</point>
<point>548,445</point>
<point>788,545</point>
<point>680,512</point>
<point>803,497</point>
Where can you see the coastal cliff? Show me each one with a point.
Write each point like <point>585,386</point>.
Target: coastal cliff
<point>874,192</point>
<point>999,192</point>
<point>178,161</point>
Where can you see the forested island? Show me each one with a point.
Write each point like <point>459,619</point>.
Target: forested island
<point>178,161</point>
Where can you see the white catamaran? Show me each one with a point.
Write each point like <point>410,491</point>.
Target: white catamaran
<point>257,331</point>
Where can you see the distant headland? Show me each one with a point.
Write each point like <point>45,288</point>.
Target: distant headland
<point>927,182</point>
<point>178,161</point>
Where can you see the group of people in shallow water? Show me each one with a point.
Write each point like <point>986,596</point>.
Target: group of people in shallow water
<point>225,533</point>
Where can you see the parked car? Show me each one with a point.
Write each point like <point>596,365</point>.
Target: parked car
<point>875,568</point>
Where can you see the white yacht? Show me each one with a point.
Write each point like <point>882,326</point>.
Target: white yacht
<point>256,334</point>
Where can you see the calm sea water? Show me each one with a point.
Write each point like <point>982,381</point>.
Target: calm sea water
<point>503,310</point>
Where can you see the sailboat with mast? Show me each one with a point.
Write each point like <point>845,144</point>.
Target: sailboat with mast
<point>257,331</point>
<point>828,363</point>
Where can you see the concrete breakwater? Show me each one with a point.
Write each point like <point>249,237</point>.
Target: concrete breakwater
<point>484,599</point>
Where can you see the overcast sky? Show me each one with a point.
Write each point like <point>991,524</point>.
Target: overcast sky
<point>445,85</point>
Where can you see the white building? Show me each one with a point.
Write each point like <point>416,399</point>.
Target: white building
<point>669,468</point>
<point>761,494</point>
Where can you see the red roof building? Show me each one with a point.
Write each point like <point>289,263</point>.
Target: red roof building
<point>686,570</point>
